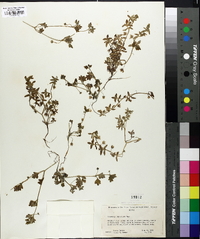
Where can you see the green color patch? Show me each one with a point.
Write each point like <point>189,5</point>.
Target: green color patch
<point>194,205</point>
<point>186,29</point>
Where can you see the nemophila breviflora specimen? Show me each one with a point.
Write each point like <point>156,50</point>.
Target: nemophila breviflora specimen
<point>120,48</point>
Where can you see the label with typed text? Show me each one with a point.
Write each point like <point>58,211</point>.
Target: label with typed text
<point>13,11</point>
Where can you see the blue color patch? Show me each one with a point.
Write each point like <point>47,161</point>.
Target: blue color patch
<point>194,217</point>
<point>186,38</point>
<point>194,231</point>
<point>186,91</point>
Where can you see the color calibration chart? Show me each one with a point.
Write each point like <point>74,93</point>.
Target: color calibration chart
<point>183,122</point>
<point>188,67</point>
<point>189,181</point>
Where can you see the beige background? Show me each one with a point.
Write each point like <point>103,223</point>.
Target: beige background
<point>24,52</point>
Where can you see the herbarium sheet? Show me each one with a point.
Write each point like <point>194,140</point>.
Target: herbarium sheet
<point>82,140</point>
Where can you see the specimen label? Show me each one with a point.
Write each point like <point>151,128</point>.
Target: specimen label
<point>14,11</point>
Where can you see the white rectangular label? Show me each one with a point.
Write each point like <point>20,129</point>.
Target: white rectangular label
<point>132,220</point>
<point>70,219</point>
<point>14,11</point>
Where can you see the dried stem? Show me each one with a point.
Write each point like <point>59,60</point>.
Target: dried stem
<point>76,133</point>
<point>60,177</point>
<point>41,27</point>
<point>19,186</point>
<point>118,100</point>
<point>121,124</point>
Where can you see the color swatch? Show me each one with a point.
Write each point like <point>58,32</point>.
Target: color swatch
<point>189,180</point>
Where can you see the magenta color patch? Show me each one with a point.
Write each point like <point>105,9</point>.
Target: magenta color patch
<point>194,166</point>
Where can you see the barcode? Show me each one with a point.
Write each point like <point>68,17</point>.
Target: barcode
<point>13,11</point>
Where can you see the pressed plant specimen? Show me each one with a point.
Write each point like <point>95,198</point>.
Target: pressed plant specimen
<point>120,48</point>
<point>43,102</point>
<point>41,27</point>
<point>121,124</point>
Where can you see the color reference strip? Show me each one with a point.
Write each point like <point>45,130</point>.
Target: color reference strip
<point>189,180</point>
<point>182,65</point>
<point>188,64</point>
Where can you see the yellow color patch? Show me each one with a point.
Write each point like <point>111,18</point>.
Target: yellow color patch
<point>186,99</point>
<point>194,192</point>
